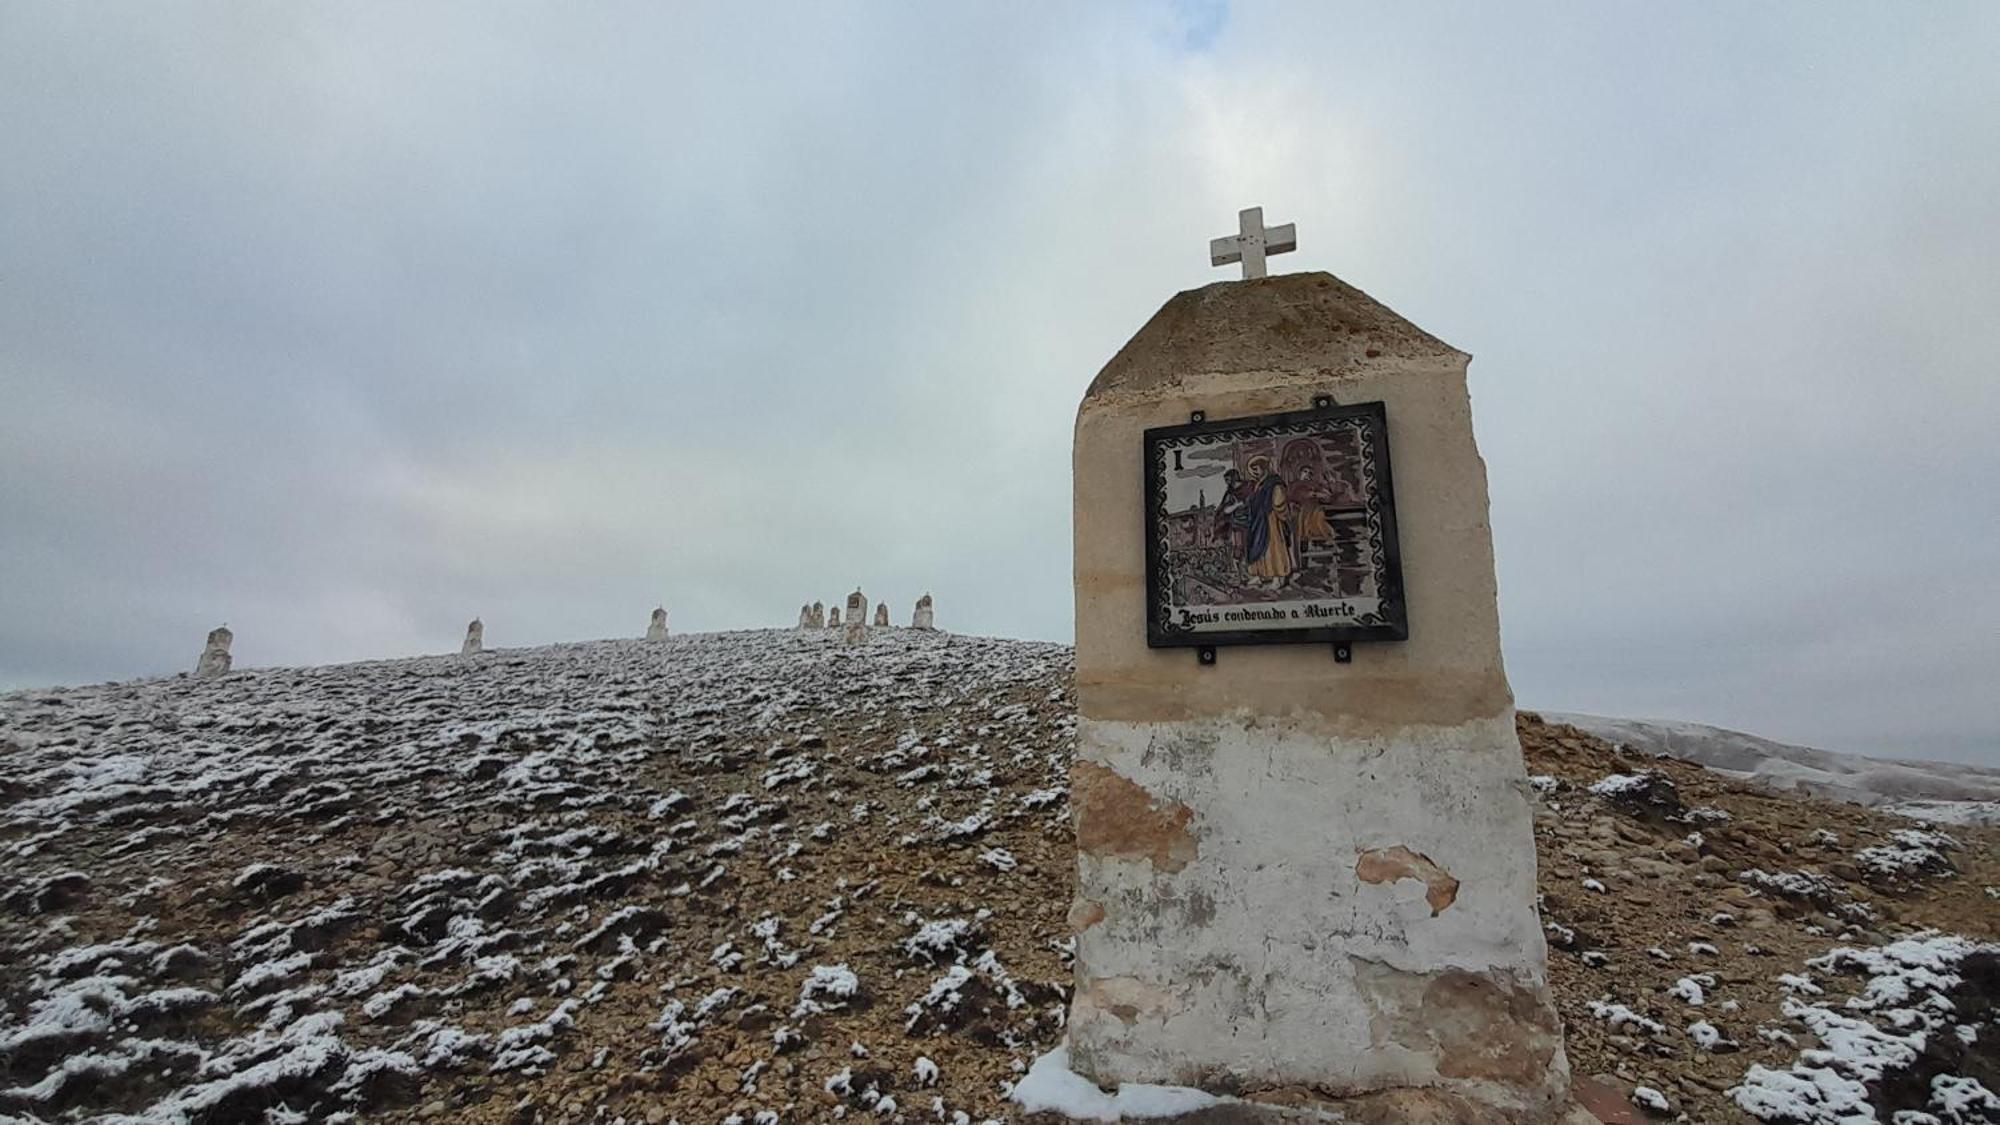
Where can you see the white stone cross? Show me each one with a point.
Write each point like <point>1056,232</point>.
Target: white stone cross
<point>1251,242</point>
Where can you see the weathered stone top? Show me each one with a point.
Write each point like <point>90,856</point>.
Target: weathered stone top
<point>1304,322</point>
<point>1245,348</point>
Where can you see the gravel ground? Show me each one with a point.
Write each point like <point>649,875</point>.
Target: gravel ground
<point>767,876</point>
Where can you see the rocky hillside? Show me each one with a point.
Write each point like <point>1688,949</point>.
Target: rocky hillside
<point>762,877</point>
<point>1750,955</point>
<point>1944,792</point>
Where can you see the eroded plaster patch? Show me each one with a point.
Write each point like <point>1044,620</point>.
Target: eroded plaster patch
<point>1386,865</point>
<point>1490,1026</point>
<point>1084,913</point>
<point>1116,816</point>
<point>1128,999</point>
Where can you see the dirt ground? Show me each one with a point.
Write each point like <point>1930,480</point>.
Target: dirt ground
<point>752,876</point>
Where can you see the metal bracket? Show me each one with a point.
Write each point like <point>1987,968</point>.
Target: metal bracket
<point>1205,656</point>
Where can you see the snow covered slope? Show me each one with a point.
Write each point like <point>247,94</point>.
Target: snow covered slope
<point>691,873</point>
<point>767,878</point>
<point>1945,792</point>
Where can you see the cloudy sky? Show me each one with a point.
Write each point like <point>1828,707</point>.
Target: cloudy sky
<point>344,322</point>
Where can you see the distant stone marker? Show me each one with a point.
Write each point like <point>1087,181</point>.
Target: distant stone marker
<point>656,629</point>
<point>833,618</point>
<point>856,630</point>
<point>923,618</point>
<point>819,615</point>
<point>1251,242</point>
<point>475,638</point>
<point>214,659</point>
<point>1305,850</point>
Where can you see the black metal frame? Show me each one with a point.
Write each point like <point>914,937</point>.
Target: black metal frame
<point>1391,623</point>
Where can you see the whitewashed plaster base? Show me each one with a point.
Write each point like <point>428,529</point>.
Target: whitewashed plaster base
<point>1229,936</point>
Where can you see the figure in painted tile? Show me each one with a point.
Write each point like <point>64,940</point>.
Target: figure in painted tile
<point>1232,512</point>
<point>1267,547</point>
<point>1310,497</point>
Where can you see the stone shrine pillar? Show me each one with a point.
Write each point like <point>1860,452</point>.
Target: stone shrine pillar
<point>656,629</point>
<point>833,618</point>
<point>1299,876</point>
<point>856,629</point>
<point>214,660</point>
<point>475,638</point>
<point>882,616</point>
<point>923,618</point>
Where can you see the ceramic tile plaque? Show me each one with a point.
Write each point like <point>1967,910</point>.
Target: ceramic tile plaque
<point>1275,529</point>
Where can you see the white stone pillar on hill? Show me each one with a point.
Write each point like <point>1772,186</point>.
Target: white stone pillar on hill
<point>1294,872</point>
<point>833,618</point>
<point>923,617</point>
<point>656,629</point>
<point>856,630</point>
<point>882,615</point>
<point>475,638</point>
<point>214,660</point>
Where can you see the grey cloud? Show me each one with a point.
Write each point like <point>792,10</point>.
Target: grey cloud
<point>344,325</point>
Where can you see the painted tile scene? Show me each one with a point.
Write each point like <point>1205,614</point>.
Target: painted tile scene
<point>1271,527</point>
